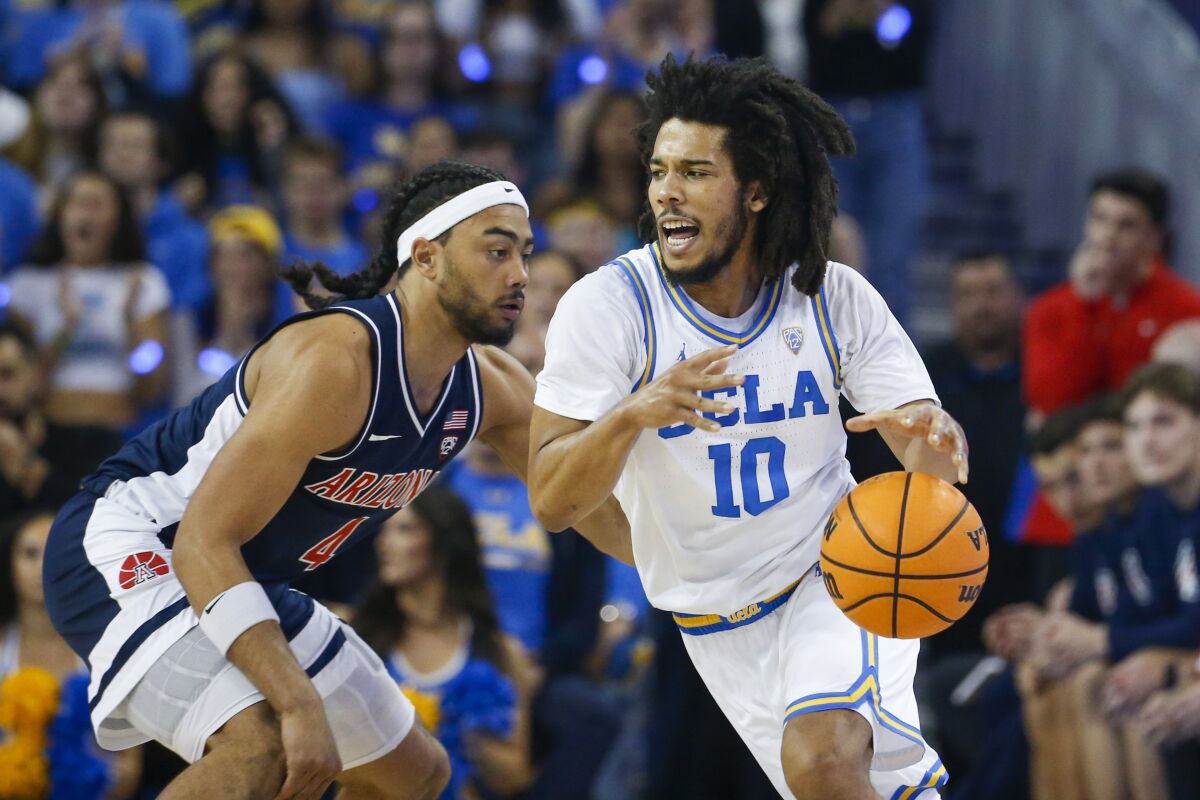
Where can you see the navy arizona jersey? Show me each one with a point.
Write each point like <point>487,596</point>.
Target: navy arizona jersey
<point>110,585</point>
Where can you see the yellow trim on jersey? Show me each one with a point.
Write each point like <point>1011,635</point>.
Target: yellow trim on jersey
<point>825,327</point>
<point>700,624</point>
<point>935,779</point>
<point>683,305</point>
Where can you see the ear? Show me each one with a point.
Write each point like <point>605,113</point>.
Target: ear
<point>756,197</point>
<point>426,257</point>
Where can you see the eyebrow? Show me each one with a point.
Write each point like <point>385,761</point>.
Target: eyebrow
<point>505,232</point>
<point>687,162</point>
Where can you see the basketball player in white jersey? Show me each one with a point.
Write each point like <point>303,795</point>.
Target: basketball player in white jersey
<point>698,378</point>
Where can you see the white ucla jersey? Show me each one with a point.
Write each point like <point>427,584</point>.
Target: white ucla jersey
<point>722,520</point>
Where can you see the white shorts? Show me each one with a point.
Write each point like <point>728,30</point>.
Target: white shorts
<point>765,667</point>
<point>192,690</point>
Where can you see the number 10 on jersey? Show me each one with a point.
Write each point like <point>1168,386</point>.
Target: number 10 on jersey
<point>746,463</point>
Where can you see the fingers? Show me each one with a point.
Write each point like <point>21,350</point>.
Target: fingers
<point>305,784</point>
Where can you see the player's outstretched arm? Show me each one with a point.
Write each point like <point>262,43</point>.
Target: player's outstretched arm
<point>923,436</point>
<point>574,465</point>
<point>508,401</point>
<point>310,391</point>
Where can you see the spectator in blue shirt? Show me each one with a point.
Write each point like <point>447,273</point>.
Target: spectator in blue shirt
<point>315,201</point>
<point>143,43</point>
<point>133,151</point>
<point>18,214</point>
<point>410,56</point>
<point>237,126</point>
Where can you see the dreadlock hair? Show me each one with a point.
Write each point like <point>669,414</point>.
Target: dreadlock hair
<point>778,133</point>
<point>416,197</point>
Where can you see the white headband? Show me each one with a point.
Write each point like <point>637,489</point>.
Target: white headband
<point>455,210</point>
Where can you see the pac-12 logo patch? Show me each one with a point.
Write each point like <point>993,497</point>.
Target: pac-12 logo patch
<point>793,338</point>
<point>141,567</point>
<point>448,445</point>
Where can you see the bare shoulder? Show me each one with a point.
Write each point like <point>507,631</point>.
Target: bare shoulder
<point>330,355</point>
<point>507,387</point>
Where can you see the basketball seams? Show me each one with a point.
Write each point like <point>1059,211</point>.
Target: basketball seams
<point>905,576</point>
<point>899,596</point>
<point>899,555</point>
<point>962,512</point>
<point>863,528</point>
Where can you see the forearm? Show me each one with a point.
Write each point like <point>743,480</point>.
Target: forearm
<point>206,569</point>
<point>573,475</point>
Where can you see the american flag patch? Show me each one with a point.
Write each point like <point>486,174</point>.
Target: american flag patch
<point>457,421</point>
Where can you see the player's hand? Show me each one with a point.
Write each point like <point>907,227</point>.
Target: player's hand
<point>674,396</point>
<point>310,753</point>
<point>926,421</point>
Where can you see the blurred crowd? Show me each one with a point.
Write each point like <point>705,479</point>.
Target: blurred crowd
<point>161,161</point>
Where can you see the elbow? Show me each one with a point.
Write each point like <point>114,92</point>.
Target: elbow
<point>552,518</point>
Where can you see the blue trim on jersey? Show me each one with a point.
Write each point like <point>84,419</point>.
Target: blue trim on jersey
<point>684,306</point>
<point>833,353</point>
<point>643,300</point>
<point>934,778</point>
<point>865,688</point>
<point>332,649</point>
<point>701,624</point>
<point>135,641</point>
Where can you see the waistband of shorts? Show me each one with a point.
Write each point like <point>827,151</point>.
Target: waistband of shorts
<point>701,624</point>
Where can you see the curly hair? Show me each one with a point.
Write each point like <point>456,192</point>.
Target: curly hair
<point>413,199</point>
<point>778,133</point>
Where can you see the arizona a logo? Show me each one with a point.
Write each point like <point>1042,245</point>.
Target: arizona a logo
<point>141,567</point>
<point>793,338</point>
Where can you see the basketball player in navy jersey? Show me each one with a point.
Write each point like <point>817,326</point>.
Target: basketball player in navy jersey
<point>169,573</point>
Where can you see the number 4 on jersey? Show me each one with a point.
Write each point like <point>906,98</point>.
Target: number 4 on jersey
<point>325,549</point>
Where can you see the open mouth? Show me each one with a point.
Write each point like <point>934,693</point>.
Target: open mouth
<point>679,235</point>
<point>512,309</point>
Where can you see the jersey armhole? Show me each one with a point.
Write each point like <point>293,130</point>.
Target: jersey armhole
<point>649,338</point>
<point>829,342</point>
<point>242,401</point>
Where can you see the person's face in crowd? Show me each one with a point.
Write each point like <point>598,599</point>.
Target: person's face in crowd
<point>313,192</point>
<point>129,150</point>
<point>1120,228</point>
<point>89,220</point>
<point>241,269</point>
<point>410,44</point>
<point>284,13</point>
<point>692,184</point>
<point>28,549</point>
<point>584,232</point>
<point>66,103</point>
<point>613,139</point>
<point>431,140</point>
<point>1104,471</point>
<point>986,304</point>
<point>226,96</point>
<point>18,380</point>
<point>483,274</point>
<point>550,275</point>
<point>404,549</point>
<point>1058,477</point>
<point>1161,438</point>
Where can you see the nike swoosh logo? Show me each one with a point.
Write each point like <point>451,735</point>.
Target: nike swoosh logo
<point>375,437</point>
<point>510,190</point>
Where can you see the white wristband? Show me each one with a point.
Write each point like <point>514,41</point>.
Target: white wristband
<point>234,611</point>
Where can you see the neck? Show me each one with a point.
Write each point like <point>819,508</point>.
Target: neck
<point>1184,491</point>
<point>405,94</point>
<point>1126,282</point>
<point>432,344</point>
<point>34,620</point>
<point>423,602</point>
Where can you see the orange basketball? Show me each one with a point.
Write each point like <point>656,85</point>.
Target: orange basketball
<point>904,555</point>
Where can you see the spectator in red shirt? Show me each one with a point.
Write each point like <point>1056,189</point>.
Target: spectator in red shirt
<point>1089,333</point>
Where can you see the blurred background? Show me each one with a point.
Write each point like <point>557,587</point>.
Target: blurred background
<point>1026,196</point>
